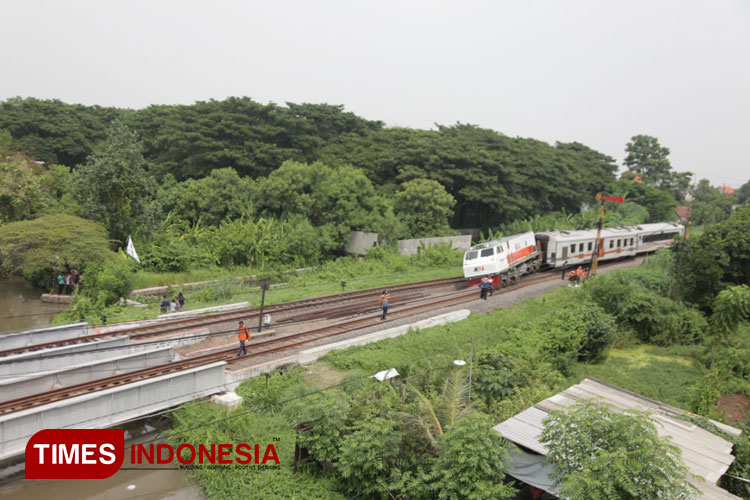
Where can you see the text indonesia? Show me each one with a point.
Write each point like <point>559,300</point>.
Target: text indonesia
<point>99,453</point>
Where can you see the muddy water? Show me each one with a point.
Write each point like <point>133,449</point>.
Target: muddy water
<point>140,484</point>
<point>20,307</point>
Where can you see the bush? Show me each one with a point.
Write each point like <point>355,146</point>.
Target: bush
<point>600,333</point>
<point>110,280</point>
<point>638,299</point>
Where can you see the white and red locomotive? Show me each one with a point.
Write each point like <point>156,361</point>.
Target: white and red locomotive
<point>505,260</point>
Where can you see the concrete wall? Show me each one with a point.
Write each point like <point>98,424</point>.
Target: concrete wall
<point>111,406</point>
<point>41,335</point>
<point>60,357</point>
<point>65,377</point>
<point>410,247</point>
<point>310,355</point>
<point>360,242</point>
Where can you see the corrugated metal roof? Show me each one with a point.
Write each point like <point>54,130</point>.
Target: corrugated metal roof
<point>705,454</point>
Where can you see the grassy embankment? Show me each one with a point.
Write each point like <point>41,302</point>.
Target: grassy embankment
<point>379,269</point>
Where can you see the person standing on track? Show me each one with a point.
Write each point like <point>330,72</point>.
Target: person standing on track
<point>384,300</point>
<point>485,287</point>
<point>243,334</point>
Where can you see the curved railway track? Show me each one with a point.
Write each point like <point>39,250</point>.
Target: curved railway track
<point>257,350</point>
<point>248,315</point>
<point>264,348</point>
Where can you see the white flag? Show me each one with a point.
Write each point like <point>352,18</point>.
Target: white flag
<point>130,250</point>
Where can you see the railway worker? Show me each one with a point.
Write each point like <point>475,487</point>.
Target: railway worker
<point>384,301</point>
<point>485,287</point>
<point>243,334</point>
<point>564,268</point>
<point>579,275</point>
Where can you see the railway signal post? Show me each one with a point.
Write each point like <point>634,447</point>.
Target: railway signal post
<point>600,197</point>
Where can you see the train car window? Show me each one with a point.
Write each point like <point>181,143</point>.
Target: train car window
<point>487,252</point>
<point>618,243</point>
<point>589,247</point>
<point>659,237</point>
<point>580,247</point>
<point>500,250</point>
<point>631,242</point>
<point>611,243</point>
<point>573,248</point>
<point>471,255</point>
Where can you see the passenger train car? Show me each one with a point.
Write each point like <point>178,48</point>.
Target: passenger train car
<point>506,259</point>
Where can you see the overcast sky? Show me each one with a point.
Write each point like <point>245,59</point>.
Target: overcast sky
<point>592,71</point>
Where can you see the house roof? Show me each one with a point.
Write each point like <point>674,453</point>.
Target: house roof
<point>705,454</point>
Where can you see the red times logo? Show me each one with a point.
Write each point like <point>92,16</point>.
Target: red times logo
<point>99,453</point>
<point>75,453</point>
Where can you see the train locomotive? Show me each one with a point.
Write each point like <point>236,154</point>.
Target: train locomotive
<point>505,260</point>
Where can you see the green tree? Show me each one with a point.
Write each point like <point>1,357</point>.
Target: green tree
<point>599,454</point>
<point>743,193</point>
<point>21,193</point>
<point>425,207</point>
<point>709,204</point>
<point>113,186</point>
<point>336,200</point>
<point>720,257</point>
<point>470,462</point>
<point>645,156</point>
<point>36,248</point>
<point>659,203</point>
<point>222,194</point>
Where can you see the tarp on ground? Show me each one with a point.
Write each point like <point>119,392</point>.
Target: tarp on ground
<point>531,469</point>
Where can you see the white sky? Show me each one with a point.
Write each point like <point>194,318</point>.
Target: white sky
<point>592,71</point>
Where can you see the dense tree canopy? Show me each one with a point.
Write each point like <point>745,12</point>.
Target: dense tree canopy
<point>425,207</point>
<point>493,178</point>
<point>720,257</point>
<point>113,188</point>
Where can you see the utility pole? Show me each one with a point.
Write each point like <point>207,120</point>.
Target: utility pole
<point>598,242</point>
<point>600,197</point>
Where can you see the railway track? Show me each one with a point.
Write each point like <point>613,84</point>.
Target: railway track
<point>248,315</point>
<point>265,348</point>
<point>258,350</point>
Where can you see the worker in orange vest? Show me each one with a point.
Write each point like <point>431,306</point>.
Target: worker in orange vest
<point>243,334</point>
<point>385,299</point>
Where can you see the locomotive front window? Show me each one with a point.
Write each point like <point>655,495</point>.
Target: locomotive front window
<point>487,252</point>
<point>471,255</point>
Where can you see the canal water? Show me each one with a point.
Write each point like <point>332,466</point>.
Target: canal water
<point>21,308</point>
